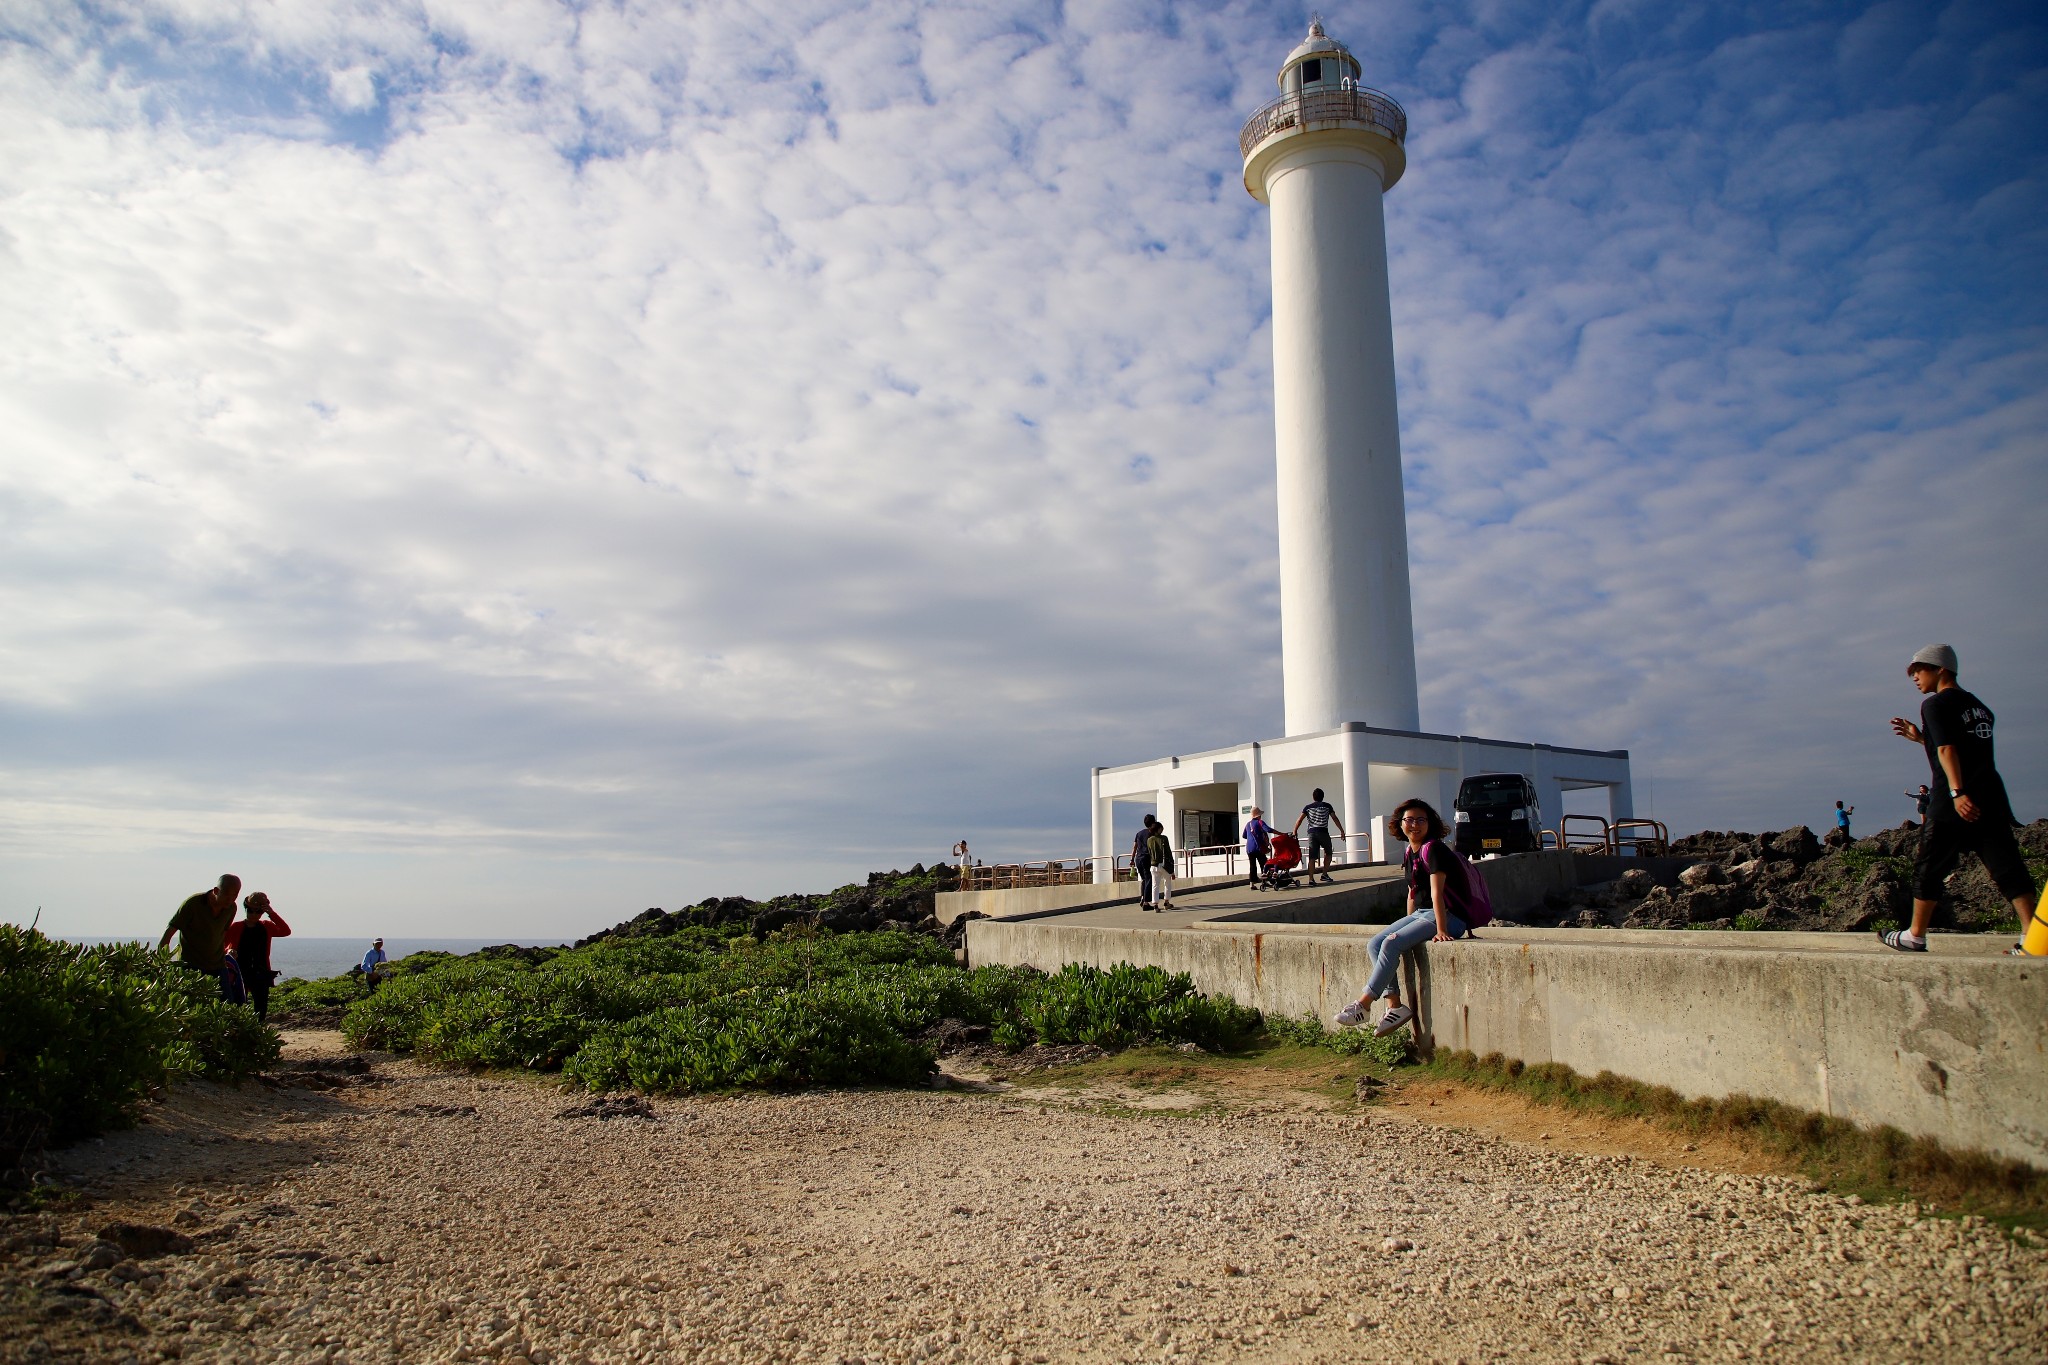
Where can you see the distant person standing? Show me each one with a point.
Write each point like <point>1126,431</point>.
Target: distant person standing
<point>1141,860</point>
<point>1969,811</point>
<point>963,858</point>
<point>1160,849</point>
<point>201,924</point>
<point>1842,814</point>
<point>373,965</point>
<point>249,940</point>
<point>1258,841</point>
<point>1920,799</point>
<point>1320,815</point>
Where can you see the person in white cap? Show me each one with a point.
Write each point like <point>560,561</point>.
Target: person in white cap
<point>1968,811</point>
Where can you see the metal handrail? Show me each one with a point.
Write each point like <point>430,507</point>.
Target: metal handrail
<point>1551,835</point>
<point>1358,104</point>
<point>1661,836</point>
<point>1568,840</point>
<point>1080,870</point>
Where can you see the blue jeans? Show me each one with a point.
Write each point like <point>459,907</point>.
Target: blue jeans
<point>1397,938</point>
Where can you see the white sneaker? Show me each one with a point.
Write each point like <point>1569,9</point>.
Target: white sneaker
<point>1353,1013</point>
<point>1392,1020</point>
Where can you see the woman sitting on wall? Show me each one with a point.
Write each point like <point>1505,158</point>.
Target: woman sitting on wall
<point>1439,888</point>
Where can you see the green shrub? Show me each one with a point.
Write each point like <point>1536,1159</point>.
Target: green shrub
<point>86,1032</point>
<point>821,1036</point>
<point>1308,1031</point>
<point>701,1009</point>
<point>1127,1004</point>
<point>300,995</point>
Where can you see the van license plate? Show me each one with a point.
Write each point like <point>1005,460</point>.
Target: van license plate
<point>1489,843</point>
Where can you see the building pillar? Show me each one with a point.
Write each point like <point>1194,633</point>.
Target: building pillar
<point>1103,834</point>
<point>1621,799</point>
<point>1255,793</point>
<point>1356,794</point>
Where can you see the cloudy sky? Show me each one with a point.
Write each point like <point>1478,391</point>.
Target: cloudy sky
<point>486,468</point>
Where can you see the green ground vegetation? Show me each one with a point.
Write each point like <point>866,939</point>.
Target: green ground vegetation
<point>1213,1083</point>
<point>1876,1163</point>
<point>87,1032</point>
<point>1308,1032</point>
<point>703,1009</point>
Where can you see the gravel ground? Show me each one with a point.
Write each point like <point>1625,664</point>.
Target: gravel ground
<point>417,1215</point>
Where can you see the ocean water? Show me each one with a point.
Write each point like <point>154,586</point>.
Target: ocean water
<point>318,957</point>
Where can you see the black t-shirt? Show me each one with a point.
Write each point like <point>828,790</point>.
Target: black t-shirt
<point>1139,853</point>
<point>1953,716</point>
<point>1439,860</point>
<point>253,949</point>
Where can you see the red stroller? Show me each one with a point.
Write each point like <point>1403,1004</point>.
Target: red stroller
<point>1281,860</point>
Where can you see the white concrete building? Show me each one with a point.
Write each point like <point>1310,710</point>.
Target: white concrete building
<point>1322,156</point>
<point>1364,772</point>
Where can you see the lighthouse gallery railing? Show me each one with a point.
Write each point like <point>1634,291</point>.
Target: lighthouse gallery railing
<point>1356,105</point>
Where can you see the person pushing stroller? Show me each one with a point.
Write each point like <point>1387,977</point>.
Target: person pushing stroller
<point>1258,844</point>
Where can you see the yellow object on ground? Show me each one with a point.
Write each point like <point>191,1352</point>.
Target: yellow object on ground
<point>2036,941</point>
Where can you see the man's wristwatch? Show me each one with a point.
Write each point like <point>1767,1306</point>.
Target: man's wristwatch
<point>1954,792</point>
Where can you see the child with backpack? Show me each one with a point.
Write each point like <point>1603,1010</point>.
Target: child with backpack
<point>1161,851</point>
<point>1446,900</point>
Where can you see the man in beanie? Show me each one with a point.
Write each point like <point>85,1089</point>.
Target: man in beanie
<point>1968,811</point>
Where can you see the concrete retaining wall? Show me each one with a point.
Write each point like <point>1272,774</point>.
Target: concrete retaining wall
<point>1036,900</point>
<point>1951,1045</point>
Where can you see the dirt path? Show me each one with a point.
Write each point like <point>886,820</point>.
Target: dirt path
<point>418,1215</point>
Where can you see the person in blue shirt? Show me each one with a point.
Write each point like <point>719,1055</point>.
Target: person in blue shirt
<point>1842,814</point>
<point>1258,839</point>
<point>373,965</point>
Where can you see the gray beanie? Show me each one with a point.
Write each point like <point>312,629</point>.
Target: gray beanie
<point>1936,656</point>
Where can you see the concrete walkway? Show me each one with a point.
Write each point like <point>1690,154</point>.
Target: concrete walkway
<point>1362,900</point>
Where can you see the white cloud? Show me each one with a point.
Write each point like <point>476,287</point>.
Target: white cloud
<point>634,439</point>
<point>353,89</point>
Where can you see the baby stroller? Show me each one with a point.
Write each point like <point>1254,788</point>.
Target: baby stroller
<point>1281,860</point>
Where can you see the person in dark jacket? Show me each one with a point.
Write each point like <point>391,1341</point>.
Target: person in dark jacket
<point>1141,860</point>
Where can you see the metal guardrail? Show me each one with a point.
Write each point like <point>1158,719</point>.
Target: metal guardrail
<point>1358,104</point>
<point>1602,842</point>
<point>1081,870</point>
<point>1613,835</point>
<point>1645,846</point>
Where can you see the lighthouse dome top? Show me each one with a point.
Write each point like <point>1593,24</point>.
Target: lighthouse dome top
<point>1323,101</point>
<point>1320,47</point>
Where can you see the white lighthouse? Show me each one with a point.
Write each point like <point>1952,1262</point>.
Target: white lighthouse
<point>1321,156</point>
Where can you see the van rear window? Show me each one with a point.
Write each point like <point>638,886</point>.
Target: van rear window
<point>1493,793</point>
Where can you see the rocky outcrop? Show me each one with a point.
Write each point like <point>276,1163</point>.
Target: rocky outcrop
<point>889,900</point>
<point>1791,880</point>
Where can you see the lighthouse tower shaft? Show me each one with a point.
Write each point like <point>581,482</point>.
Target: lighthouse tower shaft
<point>1321,157</point>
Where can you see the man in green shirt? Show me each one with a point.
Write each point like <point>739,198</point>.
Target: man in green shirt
<point>201,925</point>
